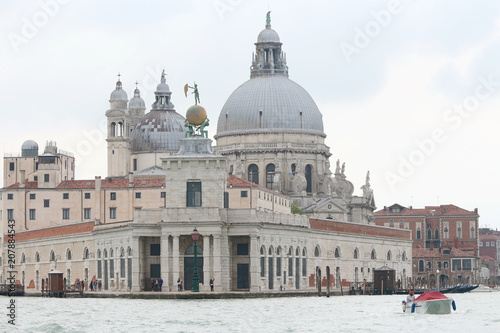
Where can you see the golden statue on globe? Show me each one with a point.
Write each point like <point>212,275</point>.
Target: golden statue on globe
<point>196,115</point>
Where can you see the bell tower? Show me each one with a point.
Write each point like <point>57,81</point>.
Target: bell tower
<point>118,133</point>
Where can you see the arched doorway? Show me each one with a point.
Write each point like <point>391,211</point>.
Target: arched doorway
<point>189,266</point>
<point>253,173</point>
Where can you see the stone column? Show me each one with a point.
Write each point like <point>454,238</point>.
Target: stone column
<point>136,267</point>
<point>164,261</point>
<point>175,262</point>
<point>217,269</point>
<point>207,257</point>
<point>254,264</point>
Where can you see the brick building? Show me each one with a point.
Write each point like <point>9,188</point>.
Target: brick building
<point>489,250</point>
<point>444,237</point>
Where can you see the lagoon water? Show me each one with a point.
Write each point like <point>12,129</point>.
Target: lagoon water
<point>476,312</point>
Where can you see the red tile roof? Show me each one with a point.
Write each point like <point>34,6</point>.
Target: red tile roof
<point>111,183</point>
<point>29,185</point>
<point>429,211</point>
<point>481,237</point>
<point>239,182</point>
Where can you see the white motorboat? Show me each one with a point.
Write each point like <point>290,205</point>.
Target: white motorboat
<point>432,302</point>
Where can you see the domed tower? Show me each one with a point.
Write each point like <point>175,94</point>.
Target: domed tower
<point>157,134</point>
<point>118,133</point>
<point>271,129</point>
<point>29,149</point>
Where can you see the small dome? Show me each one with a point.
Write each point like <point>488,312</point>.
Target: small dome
<point>136,102</point>
<point>158,131</point>
<point>268,35</point>
<point>29,149</point>
<point>162,88</point>
<point>118,94</point>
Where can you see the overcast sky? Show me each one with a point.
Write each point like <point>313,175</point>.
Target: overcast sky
<point>409,90</point>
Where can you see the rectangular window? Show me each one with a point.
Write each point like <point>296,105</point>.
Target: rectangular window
<point>487,243</point>
<point>46,203</point>
<point>10,214</point>
<point>304,267</point>
<point>137,195</point>
<point>112,196</point>
<point>32,196</point>
<point>278,266</point>
<point>244,194</point>
<point>65,213</point>
<point>439,264</point>
<point>10,196</point>
<point>112,213</point>
<point>87,195</point>
<point>11,166</point>
<point>86,213</point>
<point>163,194</point>
<point>135,164</point>
<point>35,178</point>
<point>456,264</point>
<point>242,249</point>
<point>290,266</point>
<point>154,249</point>
<point>65,195</point>
<point>122,267</point>
<point>32,214</point>
<point>46,177</point>
<point>467,264</point>
<point>156,271</point>
<point>193,194</point>
<point>111,268</point>
<point>99,269</point>
<point>480,243</point>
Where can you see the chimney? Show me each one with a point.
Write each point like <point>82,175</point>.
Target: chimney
<point>22,178</point>
<point>130,179</point>
<point>98,183</point>
<point>385,207</point>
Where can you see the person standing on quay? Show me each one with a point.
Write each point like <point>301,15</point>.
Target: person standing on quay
<point>100,285</point>
<point>212,284</point>
<point>161,283</point>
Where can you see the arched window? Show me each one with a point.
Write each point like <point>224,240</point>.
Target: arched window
<point>446,234</point>
<point>316,251</point>
<point>429,233</point>
<point>420,265</point>
<point>68,254</point>
<point>356,253</point>
<point>119,131</point>
<point>270,252</point>
<point>190,251</point>
<point>293,167</point>
<point>262,262</point>
<point>105,252</point>
<point>309,178</point>
<point>304,262</point>
<point>86,253</point>
<point>337,252</point>
<point>52,256</point>
<point>374,255</point>
<point>297,252</point>
<point>253,173</point>
<point>459,233</point>
<point>129,251</point>
<point>23,258</point>
<point>111,253</point>
<point>270,169</point>
<point>436,233</point>
<point>278,250</point>
<point>98,253</point>
<point>37,257</point>
<point>472,232</point>
<point>404,256</point>
<point>389,255</point>
<point>113,129</point>
<point>122,252</point>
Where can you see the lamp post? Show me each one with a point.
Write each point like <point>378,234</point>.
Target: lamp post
<point>196,281</point>
<point>437,271</point>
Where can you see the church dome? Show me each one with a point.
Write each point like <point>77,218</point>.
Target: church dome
<point>272,102</point>
<point>158,131</point>
<point>268,35</point>
<point>136,102</point>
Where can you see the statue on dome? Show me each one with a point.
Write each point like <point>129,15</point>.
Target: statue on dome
<point>195,92</point>
<point>268,18</point>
